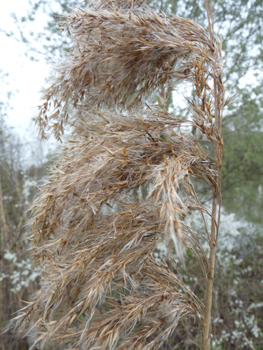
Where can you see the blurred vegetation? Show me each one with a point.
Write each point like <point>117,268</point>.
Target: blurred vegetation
<point>237,321</point>
<point>237,310</point>
<point>18,185</point>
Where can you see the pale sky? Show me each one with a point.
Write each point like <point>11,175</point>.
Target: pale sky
<point>25,77</point>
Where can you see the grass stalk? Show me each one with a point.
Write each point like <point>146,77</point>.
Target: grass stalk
<point>206,334</point>
<point>206,337</point>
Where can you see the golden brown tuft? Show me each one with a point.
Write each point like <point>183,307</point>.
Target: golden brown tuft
<point>101,287</point>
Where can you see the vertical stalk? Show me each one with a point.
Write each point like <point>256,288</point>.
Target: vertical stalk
<point>206,336</point>
<point>3,226</point>
<point>3,240</point>
<point>209,281</point>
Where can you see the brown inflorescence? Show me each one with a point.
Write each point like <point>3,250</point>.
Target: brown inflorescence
<point>101,287</point>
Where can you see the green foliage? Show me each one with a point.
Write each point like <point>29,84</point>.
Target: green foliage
<point>243,173</point>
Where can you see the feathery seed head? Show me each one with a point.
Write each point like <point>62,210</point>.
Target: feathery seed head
<point>101,287</point>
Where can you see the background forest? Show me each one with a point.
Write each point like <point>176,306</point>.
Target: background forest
<point>238,306</point>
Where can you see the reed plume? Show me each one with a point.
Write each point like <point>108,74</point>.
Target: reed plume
<point>101,286</point>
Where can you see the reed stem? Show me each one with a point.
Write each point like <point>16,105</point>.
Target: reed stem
<point>206,335</point>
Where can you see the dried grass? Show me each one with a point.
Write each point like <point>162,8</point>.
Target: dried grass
<point>119,57</point>
<point>101,288</point>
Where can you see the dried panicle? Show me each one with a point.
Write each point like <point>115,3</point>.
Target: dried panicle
<point>101,287</point>
<point>93,241</point>
<point>119,57</point>
<point>116,4</point>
